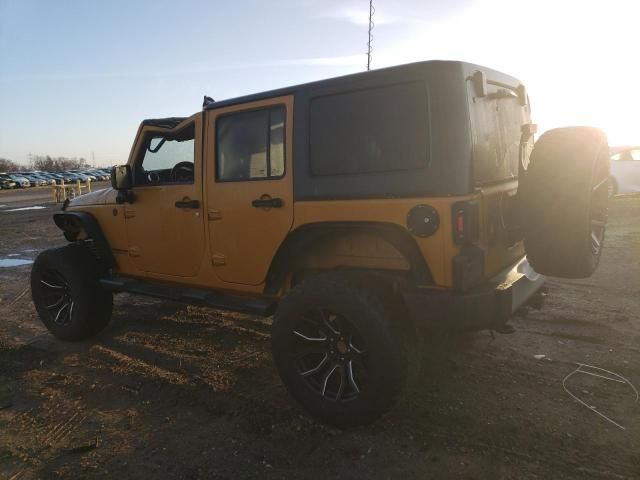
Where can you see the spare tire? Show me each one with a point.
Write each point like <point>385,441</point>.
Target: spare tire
<point>563,201</point>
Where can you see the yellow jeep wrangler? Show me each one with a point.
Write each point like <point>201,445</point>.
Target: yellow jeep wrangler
<point>357,210</point>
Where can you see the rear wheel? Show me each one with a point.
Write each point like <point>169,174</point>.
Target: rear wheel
<point>563,199</point>
<point>336,352</point>
<point>67,294</point>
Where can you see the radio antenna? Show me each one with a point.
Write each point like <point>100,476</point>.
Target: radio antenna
<point>371,25</point>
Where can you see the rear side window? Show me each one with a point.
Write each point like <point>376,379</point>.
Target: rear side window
<point>370,131</point>
<point>250,145</point>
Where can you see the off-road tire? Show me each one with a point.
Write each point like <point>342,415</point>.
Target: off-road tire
<point>379,362</point>
<point>69,276</point>
<point>563,201</point>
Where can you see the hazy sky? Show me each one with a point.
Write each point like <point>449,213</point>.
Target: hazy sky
<point>76,77</point>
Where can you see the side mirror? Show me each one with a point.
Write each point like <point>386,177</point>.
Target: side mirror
<point>122,181</point>
<point>121,178</point>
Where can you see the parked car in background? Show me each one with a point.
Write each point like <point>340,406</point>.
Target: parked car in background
<point>99,174</point>
<point>6,182</point>
<point>44,176</point>
<point>56,176</point>
<point>107,173</point>
<point>47,176</point>
<point>79,175</point>
<point>34,180</point>
<point>21,182</point>
<point>84,176</point>
<point>625,170</point>
<point>42,179</point>
<point>69,177</point>
<point>39,178</point>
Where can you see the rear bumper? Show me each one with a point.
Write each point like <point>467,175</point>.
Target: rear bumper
<point>489,305</point>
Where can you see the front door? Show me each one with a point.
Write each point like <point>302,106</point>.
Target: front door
<point>249,186</point>
<point>165,226</point>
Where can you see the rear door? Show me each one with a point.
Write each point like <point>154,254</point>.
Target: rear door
<point>249,186</point>
<point>499,154</point>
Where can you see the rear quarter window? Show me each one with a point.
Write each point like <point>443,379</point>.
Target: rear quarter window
<point>376,130</point>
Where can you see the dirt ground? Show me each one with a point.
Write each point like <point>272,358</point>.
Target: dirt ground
<point>174,391</point>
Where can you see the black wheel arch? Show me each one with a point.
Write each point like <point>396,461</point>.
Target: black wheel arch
<point>300,241</point>
<point>82,226</point>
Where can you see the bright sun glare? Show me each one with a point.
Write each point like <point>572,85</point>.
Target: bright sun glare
<point>577,58</point>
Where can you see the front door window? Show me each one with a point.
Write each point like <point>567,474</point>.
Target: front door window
<point>168,158</point>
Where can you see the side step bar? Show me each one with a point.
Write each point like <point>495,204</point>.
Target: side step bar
<point>237,303</point>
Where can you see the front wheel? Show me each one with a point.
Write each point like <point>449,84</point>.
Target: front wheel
<point>67,294</point>
<point>336,352</point>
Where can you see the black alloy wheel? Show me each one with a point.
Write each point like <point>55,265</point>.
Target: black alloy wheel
<point>338,350</point>
<point>330,355</point>
<point>57,298</point>
<point>67,293</point>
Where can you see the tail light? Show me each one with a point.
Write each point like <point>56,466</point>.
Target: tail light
<point>465,218</point>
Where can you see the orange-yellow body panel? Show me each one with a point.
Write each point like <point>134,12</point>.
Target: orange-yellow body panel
<point>438,249</point>
<point>356,250</point>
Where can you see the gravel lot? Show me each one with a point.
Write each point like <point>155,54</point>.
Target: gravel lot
<point>173,391</point>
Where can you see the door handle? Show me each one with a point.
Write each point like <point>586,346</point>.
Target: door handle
<point>268,203</point>
<point>186,203</point>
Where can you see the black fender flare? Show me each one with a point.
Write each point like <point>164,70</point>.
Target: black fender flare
<point>301,240</point>
<point>72,223</point>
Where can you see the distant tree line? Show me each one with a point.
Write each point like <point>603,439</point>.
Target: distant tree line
<point>7,165</point>
<point>52,164</point>
<point>44,162</point>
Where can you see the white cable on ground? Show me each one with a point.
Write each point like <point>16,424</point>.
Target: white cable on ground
<point>619,378</point>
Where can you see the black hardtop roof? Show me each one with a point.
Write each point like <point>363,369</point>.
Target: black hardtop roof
<point>393,71</point>
<point>380,74</point>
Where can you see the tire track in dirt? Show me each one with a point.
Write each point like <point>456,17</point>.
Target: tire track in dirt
<point>20,296</point>
<point>60,425</point>
<point>126,363</point>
